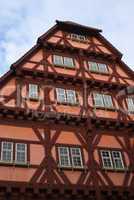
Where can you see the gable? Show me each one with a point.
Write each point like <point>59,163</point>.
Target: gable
<point>92,44</point>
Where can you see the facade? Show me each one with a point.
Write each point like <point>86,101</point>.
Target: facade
<point>67,119</point>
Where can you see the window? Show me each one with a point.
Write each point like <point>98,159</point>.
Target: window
<point>98,67</point>
<point>33,91</point>
<point>71,96</point>
<point>13,152</point>
<point>58,60</point>
<point>76,157</point>
<point>117,160</point>
<point>7,152</point>
<point>106,159</point>
<point>130,104</point>
<point>20,154</point>
<point>61,95</point>
<point>63,61</point>
<point>103,100</point>
<point>112,159</point>
<point>66,96</point>
<point>68,62</point>
<point>78,37</point>
<point>64,158</point>
<point>70,157</point>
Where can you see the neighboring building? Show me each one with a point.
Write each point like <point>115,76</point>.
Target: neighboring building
<point>67,120</point>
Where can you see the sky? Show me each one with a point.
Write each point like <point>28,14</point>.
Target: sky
<point>23,21</point>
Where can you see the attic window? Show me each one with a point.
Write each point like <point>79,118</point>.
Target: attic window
<point>78,37</point>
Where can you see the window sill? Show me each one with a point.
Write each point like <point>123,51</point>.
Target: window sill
<point>116,170</point>
<point>81,41</point>
<point>32,98</point>
<point>72,168</point>
<point>4,163</point>
<point>130,112</point>
<point>105,108</point>
<point>68,104</point>
<point>98,72</point>
<point>65,66</point>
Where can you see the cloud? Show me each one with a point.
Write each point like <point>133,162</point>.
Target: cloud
<point>22,22</point>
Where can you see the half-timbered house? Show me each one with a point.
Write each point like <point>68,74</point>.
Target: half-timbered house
<point>67,119</point>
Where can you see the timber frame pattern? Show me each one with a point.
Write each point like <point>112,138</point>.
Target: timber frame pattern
<point>49,181</point>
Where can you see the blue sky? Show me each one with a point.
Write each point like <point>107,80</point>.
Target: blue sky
<point>22,21</point>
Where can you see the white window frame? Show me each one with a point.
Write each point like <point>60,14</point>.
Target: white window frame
<point>68,62</point>
<point>16,161</point>
<point>91,67</point>
<point>130,104</point>
<point>71,94</point>
<point>79,156</point>
<point>33,91</point>
<point>103,69</point>
<point>104,100</point>
<point>78,37</point>
<point>98,98</point>
<point>64,61</point>
<point>107,99</point>
<point>68,156</point>
<point>59,94</point>
<point>58,63</point>
<point>110,158</point>
<point>98,67</point>
<point>2,150</point>
<point>119,158</point>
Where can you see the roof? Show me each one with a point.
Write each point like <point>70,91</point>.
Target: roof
<point>75,27</point>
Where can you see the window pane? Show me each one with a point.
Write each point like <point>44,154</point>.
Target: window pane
<point>61,95</point>
<point>106,159</point>
<point>68,62</point>
<point>76,157</point>
<point>7,151</point>
<point>58,60</point>
<point>107,101</point>
<point>71,96</point>
<point>21,153</point>
<point>74,36</point>
<point>117,159</point>
<point>93,66</point>
<point>78,37</point>
<point>130,104</point>
<point>102,67</point>
<point>64,156</point>
<point>33,91</point>
<point>98,99</point>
